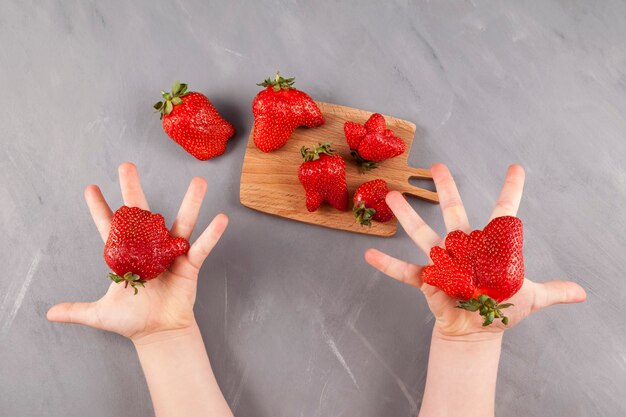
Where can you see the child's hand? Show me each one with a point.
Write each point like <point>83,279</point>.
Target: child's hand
<point>452,321</point>
<point>164,308</point>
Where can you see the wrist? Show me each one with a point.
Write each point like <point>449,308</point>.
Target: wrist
<point>166,336</point>
<point>481,337</point>
<point>480,347</point>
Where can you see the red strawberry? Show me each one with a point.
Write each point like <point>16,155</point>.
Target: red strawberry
<point>373,142</point>
<point>279,110</point>
<point>369,203</point>
<point>193,122</point>
<point>481,269</point>
<point>323,176</point>
<point>140,247</point>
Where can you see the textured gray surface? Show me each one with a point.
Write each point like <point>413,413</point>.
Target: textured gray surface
<point>297,327</point>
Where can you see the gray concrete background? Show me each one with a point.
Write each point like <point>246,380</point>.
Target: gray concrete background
<point>295,326</point>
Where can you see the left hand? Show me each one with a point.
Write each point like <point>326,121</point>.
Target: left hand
<point>450,321</point>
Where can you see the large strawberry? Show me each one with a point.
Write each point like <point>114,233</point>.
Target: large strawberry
<point>193,122</point>
<point>481,269</point>
<point>323,176</point>
<point>279,110</point>
<point>369,203</point>
<point>140,247</point>
<point>372,142</point>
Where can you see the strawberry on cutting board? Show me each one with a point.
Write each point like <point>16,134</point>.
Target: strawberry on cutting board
<point>373,142</point>
<point>140,247</point>
<point>481,269</point>
<point>193,122</point>
<point>323,176</point>
<point>369,203</point>
<point>279,110</point>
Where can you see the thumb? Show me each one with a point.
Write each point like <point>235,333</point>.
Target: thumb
<point>78,313</point>
<point>558,292</point>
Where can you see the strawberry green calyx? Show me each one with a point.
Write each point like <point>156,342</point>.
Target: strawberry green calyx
<point>488,308</point>
<point>363,214</point>
<point>364,164</point>
<point>278,82</point>
<point>171,99</point>
<point>129,278</point>
<point>309,154</point>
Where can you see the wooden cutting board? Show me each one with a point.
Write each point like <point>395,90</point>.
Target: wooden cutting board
<point>269,181</point>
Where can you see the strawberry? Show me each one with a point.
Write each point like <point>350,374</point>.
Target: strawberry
<point>372,142</point>
<point>323,176</point>
<point>369,203</point>
<point>193,122</point>
<point>140,247</point>
<point>279,110</point>
<point>481,269</point>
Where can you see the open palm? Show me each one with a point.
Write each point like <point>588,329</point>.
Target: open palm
<point>452,321</point>
<point>165,305</point>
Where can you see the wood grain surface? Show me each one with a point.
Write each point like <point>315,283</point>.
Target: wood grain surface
<point>269,181</point>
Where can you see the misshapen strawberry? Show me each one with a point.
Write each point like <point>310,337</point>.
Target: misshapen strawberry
<point>323,176</point>
<point>279,110</point>
<point>373,142</point>
<point>193,122</point>
<point>139,246</point>
<point>369,203</point>
<point>481,269</point>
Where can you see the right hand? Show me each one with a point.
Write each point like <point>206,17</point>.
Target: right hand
<point>164,308</point>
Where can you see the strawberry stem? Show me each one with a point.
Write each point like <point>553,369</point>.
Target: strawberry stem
<point>179,90</point>
<point>364,164</point>
<point>487,307</point>
<point>309,154</point>
<point>278,82</point>
<point>363,214</point>
<point>129,278</point>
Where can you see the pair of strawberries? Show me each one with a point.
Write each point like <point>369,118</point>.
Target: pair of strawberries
<point>323,176</point>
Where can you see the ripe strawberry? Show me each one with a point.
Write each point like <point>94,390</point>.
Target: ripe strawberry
<point>279,110</point>
<point>369,203</point>
<point>373,142</point>
<point>140,247</point>
<point>323,176</point>
<point>481,269</point>
<point>193,122</point>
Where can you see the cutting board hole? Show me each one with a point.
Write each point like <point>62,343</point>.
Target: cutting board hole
<point>425,184</point>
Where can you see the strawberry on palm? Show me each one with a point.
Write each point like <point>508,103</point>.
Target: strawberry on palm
<point>495,257</point>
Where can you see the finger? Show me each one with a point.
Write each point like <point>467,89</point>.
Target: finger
<point>131,187</point>
<point>77,313</point>
<point>395,268</point>
<point>452,208</point>
<point>558,292</point>
<point>189,208</point>
<point>511,193</point>
<point>207,241</point>
<point>414,226</point>
<point>100,211</point>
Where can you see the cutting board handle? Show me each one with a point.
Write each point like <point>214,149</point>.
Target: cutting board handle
<point>407,188</point>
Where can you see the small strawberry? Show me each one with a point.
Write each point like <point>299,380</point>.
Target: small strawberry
<point>481,269</point>
<point>140,247</point>
<point>372,142</point>
<point>193,122</point>
<point>323,176</point>
<point>369,203</point>
<point>279,110</point>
